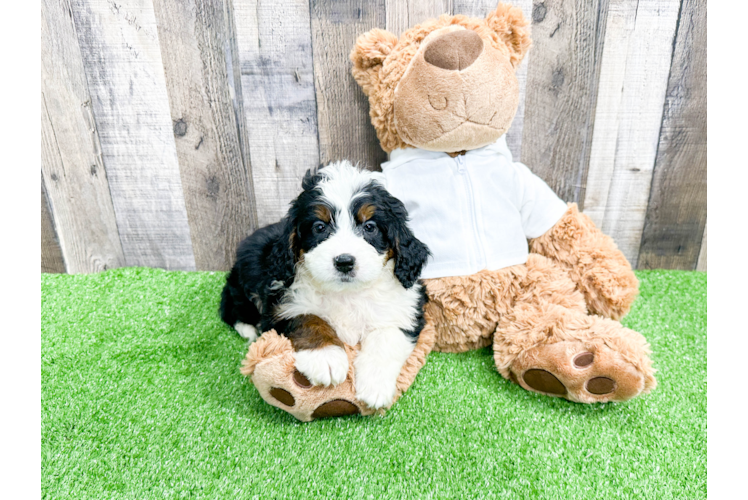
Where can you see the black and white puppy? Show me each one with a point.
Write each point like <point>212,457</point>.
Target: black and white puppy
<point>342,266</point>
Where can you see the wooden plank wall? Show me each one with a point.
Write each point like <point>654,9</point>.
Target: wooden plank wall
<point>197,48</point>
<point>73,173</point>
<point>562,92</point>
<point>277,79</point>
<point>675,217</point>
<point>172,129</point>
<point>635,124</point>
<point>122,61</point>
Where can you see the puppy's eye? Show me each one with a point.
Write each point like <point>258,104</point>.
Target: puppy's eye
<point>370,226</point>
<point>319,227</point>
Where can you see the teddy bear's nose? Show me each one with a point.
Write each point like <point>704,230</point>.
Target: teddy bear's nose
<point>455,50</point>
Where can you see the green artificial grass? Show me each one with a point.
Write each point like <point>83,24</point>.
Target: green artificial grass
<point>142,398</point>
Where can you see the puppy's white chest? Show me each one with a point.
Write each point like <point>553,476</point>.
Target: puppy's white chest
<point>353,314</point>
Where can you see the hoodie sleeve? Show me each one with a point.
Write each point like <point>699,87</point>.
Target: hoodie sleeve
<point>540,208</point>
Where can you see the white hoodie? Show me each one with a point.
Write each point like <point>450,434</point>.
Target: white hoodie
<point>475,211</point>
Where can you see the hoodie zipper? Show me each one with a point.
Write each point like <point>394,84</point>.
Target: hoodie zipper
<point>462,170</point>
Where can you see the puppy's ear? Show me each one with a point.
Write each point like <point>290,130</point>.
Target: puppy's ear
<point>286,251</point>
<point>510,24</point>
<point>410,257</point>
<point>368,54</point>
<point>410,253</point>
<point>312,178</point>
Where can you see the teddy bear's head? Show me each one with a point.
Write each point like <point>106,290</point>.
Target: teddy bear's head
<point>448,84</point>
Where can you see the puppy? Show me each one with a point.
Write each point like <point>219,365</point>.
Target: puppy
<point>341,267</point>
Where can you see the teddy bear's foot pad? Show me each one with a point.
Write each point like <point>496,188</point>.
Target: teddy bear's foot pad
<point>586,373</point>
<point>336,408</point>
<point>283,396</point>
<point>543,381</point>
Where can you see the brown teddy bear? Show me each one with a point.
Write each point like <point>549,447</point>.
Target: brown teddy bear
<point>441,99</point>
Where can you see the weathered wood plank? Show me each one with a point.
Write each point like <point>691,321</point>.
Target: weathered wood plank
<point>676,214</point>
<point>122,61</point>
<point>481,8</point>
<point>561,96</point>
<point>52,261</point>
<point>72,168</point>
<point>342,109</point>
<point>648,56</point>
<point>400,15</point>
<point>618,32</point>
<point>701,263</point>
<point>194,38</point>
<point>275,51</point>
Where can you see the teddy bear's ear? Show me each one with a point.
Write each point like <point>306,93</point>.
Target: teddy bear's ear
<point>510,24</point>
<point>368,54</point>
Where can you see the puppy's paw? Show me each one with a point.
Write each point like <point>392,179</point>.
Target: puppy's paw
<point>374,392</point>
<point>248,332</point>
<point>325,366</point>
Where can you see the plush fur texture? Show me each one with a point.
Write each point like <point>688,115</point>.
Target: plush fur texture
<point>552,322</point>
<point>341,268</point>
<point>593,261</point>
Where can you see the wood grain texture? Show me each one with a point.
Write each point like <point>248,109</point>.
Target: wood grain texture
<point>401,15</point>
<point>72,169</point>
<point>561,95</point>
<point>342,109</point>
<point>122,60</point>
<point>481,8</point>
<point>195,39</point>
<point>618,32</point>
<point>701,263</point>
<point>676,215</point>
<point>52,261</point>
<point>277,80</point>
<point>648,57</point>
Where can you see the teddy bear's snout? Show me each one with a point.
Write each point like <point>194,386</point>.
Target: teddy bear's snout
<point>455,50</point>
<point>458,92</point>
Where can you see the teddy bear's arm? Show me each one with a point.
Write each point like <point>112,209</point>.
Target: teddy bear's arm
<point>594,262</point>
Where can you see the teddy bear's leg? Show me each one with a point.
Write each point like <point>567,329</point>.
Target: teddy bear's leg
<point>271,364</point>
<point>466,309</point>
<point>548,343</point>
<point>593,262</point>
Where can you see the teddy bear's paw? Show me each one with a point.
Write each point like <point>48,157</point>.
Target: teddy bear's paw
<point>578,371</point>
<point>308,402</point>
<point>281,384</point>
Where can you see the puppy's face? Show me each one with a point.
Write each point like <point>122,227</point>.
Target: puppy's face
<point>349,230</point>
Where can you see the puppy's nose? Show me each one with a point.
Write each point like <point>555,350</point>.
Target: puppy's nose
<point>344,263</point>
<point>455,50</point>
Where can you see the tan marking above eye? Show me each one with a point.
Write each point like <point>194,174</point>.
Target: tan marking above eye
<point>323,213</point>
<point>365,213</point>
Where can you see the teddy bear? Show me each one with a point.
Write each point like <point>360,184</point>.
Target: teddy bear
<point>513,266</point>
